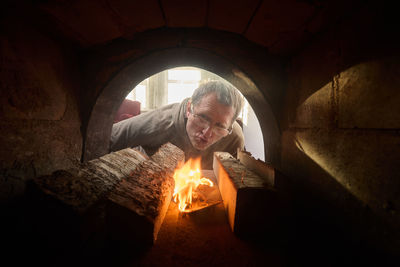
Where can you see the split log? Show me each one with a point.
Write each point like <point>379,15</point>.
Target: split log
<point>137,206</point>
<point>250,201</point>
<point>79,198</point>
<point>261,168</point>
<point>67,207</point>
<point>81,187</point>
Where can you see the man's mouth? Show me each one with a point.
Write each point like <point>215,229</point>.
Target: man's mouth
<point>201,141</point>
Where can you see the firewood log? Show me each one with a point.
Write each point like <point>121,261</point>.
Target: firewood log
<point>137,206</point>
<point>81,187</point>
<point>250,201</point>
<point>261,168</point>
<point>124,193</point>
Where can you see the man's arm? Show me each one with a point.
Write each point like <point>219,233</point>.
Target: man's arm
<point>147,128</point>
<point>126,133</point>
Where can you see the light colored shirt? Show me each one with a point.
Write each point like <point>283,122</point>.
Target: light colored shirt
<point>152,129</point>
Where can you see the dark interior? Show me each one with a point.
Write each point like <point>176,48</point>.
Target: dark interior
<point>323,78</point>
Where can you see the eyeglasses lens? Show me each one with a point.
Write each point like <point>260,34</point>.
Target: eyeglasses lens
<point>204,124</point>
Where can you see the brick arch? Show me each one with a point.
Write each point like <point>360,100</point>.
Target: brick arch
<point>100,121</point>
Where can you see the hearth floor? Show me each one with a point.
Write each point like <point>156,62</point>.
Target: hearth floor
<point>204,238</point>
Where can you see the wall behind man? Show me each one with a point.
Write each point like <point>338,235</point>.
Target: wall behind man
<point>39,120</point>
<point>340,141</point>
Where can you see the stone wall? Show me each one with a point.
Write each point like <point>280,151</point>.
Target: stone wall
<point>340,139</point>
<point>39,119</point>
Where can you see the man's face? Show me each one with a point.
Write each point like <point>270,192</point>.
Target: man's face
<point>208,111</point>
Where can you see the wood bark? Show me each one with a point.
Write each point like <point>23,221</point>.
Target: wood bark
<point>249,200</point>
<point>81,187</point>
<point>261,168</point>
<point>124,193</point>
<point>137,206</point>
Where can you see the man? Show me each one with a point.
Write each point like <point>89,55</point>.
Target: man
<point>199,126</point>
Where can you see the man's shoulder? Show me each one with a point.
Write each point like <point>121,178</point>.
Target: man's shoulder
<point>169,107</point>
<point>237,131</point>
<point>161,114</point>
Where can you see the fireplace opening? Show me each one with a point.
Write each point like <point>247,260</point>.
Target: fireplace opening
<point>200,218</point>
<point>255,86</point>
<point>173,86</point>
<point>212,233</point>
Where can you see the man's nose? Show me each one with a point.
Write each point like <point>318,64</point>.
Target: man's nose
<point>207,132</point>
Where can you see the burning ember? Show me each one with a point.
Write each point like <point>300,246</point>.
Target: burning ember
<point>187,179</point>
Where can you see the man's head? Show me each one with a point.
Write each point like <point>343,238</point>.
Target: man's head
<point>211,111</point>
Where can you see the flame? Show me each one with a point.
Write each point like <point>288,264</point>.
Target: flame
<point>187,179</point>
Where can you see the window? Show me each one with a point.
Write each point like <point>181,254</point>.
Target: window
<point>181,83</point>
<point>139,93</point>
<point>172,86</point>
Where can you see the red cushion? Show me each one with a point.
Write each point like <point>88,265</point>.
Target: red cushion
<point>128,109</point>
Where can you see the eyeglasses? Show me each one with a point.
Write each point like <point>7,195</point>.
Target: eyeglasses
<point>204,123</point>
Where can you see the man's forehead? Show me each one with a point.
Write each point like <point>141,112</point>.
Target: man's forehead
<point>211,108</point>
<point>210,99</point>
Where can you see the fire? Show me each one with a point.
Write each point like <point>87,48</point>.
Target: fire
<point>187,179</point>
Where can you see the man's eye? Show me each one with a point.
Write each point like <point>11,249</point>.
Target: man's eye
<point>220,127</point>
<point>203,117</point>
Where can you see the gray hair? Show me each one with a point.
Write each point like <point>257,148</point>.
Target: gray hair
<point>226,94</point>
